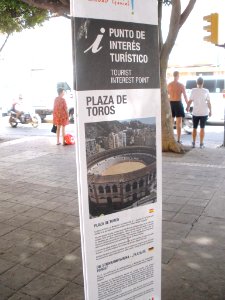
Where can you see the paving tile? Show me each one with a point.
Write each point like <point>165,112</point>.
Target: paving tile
<point>179,230</point>
<point>47,197</point>
<point>6,215</point>
<point>167,254</point>
<point>200,236</point>
<point>5,292</point>
<point>173,207</point>
<point>67,268</point>
<point>65,199</point>
<point>195,270</point>
<point>18,234</point>
<point>185,218</point>
<point>32,202</point>
<point>168,215</point>
<point>6,229</point>
<point>67,209</point>
<point>5,244</point>
<point>216,208</point>
<point>56,230</point>
<point>5,196</point>
<point>5,265</point>
<point>38,187</point>
<point>36,226</point>
<point>180,200</point>
<point>36,212</point>
<point>18,220</point>
<point>60,248</point>
<point>18,276</point>
<point>73,235</point>
<point>19,208</point>
<point>6,204</point>
<point>70,292</point>
<point>61,191</point>
<point>210,224</point>
<point>40,261</point>
<point>49,205</point>
<point>79,280</point>
<point>171,241</point>
<point>53,216</point>
<point>70,220</point>
<point>192,209</point>
<point>44,287</point>
<point>39,241</point>
<point>20,296</point>
<point>17,253</point>
<point>198,202</point>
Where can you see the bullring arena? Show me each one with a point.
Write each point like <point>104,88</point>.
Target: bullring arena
<point>121,178</point>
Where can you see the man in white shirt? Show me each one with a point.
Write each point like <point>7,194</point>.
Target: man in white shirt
<point>201,110</point>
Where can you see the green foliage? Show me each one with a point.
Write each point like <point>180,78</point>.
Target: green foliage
<point>16,16</point>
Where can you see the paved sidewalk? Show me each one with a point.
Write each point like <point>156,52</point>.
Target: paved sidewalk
<point>39,223</point>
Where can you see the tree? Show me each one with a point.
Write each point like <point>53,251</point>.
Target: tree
<point>177,19</point>
<point>15,16</point>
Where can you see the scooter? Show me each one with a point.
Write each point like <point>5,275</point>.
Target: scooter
<point>24,118</point>
<point>187,123</point>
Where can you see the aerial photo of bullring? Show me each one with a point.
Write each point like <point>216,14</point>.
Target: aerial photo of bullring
<point>121,165</point>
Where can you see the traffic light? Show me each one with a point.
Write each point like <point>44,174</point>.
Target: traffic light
<point>212,27</point>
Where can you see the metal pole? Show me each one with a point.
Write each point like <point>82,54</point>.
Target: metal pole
<point>222,45</point>
<point>224,118</point>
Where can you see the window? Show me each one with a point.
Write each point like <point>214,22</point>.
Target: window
<point>114,188</point>
<point>100,189</point>
<point>128,187</point>
<point>141,183</point>
<point>108,189</point>
<point>134,185</point>
<point>213,85</point>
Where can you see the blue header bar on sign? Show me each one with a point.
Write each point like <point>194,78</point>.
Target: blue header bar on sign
<point>136,11</point>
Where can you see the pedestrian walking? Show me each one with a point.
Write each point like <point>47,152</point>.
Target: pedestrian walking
<point>60,115</point>
<point>201,110</point>
<point>175,91</point>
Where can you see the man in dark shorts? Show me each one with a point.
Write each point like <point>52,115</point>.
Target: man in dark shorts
<point>201,110</point>
<point>175,91</point>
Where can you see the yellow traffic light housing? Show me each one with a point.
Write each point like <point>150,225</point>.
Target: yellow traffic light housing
<point>212,27</point>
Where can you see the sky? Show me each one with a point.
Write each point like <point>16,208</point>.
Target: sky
<point>190,48</point>
<point>50,48</point>
<point>47,48</point>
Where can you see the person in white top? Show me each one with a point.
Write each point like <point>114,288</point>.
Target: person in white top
<point>201,110</point>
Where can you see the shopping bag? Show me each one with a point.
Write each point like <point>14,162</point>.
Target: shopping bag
<point>54,129</point>
<point>69,139</point>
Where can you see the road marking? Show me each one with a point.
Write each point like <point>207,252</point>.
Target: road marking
<point>197,165</point>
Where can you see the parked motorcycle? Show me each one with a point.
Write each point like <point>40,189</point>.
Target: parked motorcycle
<point>187,123</point>
<point>25,118</point>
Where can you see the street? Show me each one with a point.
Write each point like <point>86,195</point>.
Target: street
<point>214,135</point>
<point>44,129</point>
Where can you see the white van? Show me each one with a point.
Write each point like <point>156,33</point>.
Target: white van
<point>216,87</point>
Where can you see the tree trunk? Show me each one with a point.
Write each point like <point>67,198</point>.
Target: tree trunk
<point>3,45</point>
<point>168,140</point>
<point>177,19</point>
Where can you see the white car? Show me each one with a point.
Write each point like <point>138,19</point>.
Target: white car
<point>216,87</point>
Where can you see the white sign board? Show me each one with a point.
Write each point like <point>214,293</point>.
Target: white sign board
<point>118,147</point>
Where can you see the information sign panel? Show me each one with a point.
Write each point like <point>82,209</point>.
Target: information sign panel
<point>118,147</point>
